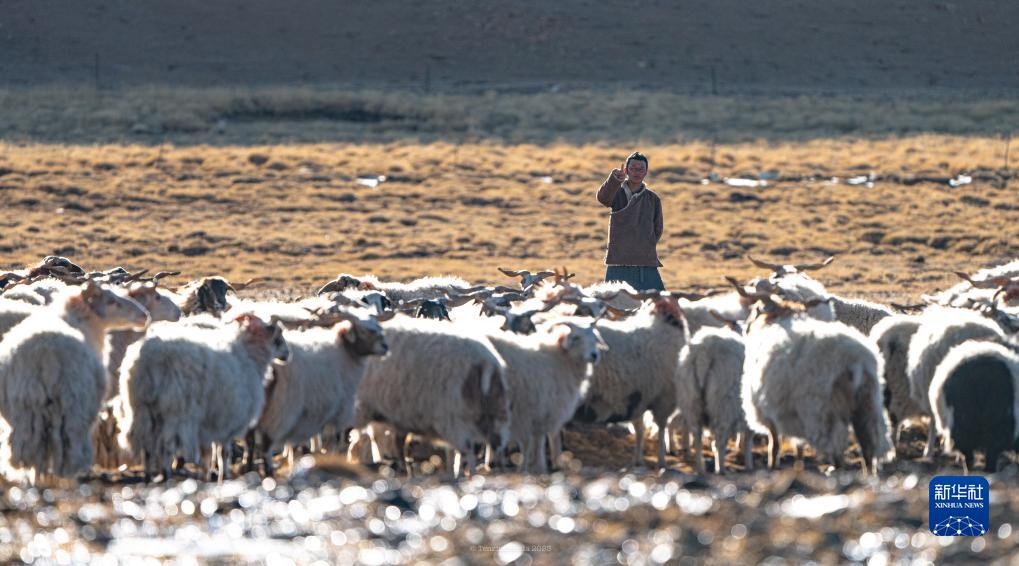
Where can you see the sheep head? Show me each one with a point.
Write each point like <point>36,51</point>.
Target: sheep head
<point>266,336</point>
<point>111,311</point>
<point>779,270</point>
<point>342,282</point>
<point>206,295</point>
<point>160,306</point>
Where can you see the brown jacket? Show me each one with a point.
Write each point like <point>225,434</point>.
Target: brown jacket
<point>634,227</point>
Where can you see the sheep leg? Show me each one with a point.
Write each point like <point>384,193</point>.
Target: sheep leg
<point>472,461</point>
<point>698,449</point>
<point>720,446</point>
<point>225,454</point>
<point>932,440</point>
<point>220,454</point>
<point>774,448</point>
<point>638,448</point>
<point>212,462</point>
<point>288,455</point>
<point>526,454</point>
<point>969,461</point>
<point>269,470</point>
<point>896,432</point>
<point>250,442</point>
<point>555,446</point>
<point>539,454</point>
<point>663,436</point>
<point>316,444</point>
<point>747,439</point>
<point>403,440</point>
<point>456,464</point>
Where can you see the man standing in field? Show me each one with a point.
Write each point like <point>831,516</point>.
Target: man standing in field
<point>635,226</point>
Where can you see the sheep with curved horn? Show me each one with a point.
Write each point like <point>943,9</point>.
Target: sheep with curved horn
<point>940,330</point>
<point>185,386</point>
<point>783,344</point>
<point>207,294</point>
<point>52,380</point>
<point>968,292</point>
<point>785,269</point>
<point>316,387</point>
<point>527,279</point>
<point>638,372</point>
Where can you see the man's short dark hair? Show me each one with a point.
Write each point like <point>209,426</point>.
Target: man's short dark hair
<point>637,156</point>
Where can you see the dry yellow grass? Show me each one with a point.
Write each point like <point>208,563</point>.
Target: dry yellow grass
<point>302,217</point>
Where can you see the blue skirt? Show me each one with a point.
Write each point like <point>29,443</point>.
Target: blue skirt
<point>640,278</point>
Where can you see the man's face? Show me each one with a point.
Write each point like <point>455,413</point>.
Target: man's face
<point>637,170</point>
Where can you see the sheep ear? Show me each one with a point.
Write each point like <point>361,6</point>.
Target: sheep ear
<point>92,296</point>
<point>250,323</point>
<point>91,291</point>
<point>564,339</point>
<point>343,330</point>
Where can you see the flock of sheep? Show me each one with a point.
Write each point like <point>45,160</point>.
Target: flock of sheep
<point>105,370</point>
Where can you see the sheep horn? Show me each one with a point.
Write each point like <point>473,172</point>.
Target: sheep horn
<point>764,264</point>
<point>328,288</point>
<point>458,301</point>
<point>640,296</point>
<point>248,283</point>
<point>998,293</point>
<point>155,278</point>
<point>908,308</point>
<point>617,313</point>
<point>815,266</point>
<point>739,286</point>
<point>688,296</point>
<point>135,276</point>
<point>986,283</point>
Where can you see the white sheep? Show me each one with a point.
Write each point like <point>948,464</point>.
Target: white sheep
<point>892,336</point>
<point>975,400</point>
<point>317,386</point>
<point>12,313</point>
<point>709,382</point>
<point>41,292</point>
<point>811,379</point>
<point>186,386</point>
<point>438,380</point>
<point>858,313</point>
<point>52,381</point>
<point>547,374</point>
<point>638,372</point>
<point>940,330</point>
<point>698,312</point>
<point>965,295</point>
<point>161,307</point>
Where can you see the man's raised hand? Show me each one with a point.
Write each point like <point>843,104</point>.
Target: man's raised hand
<point>620,174</point>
